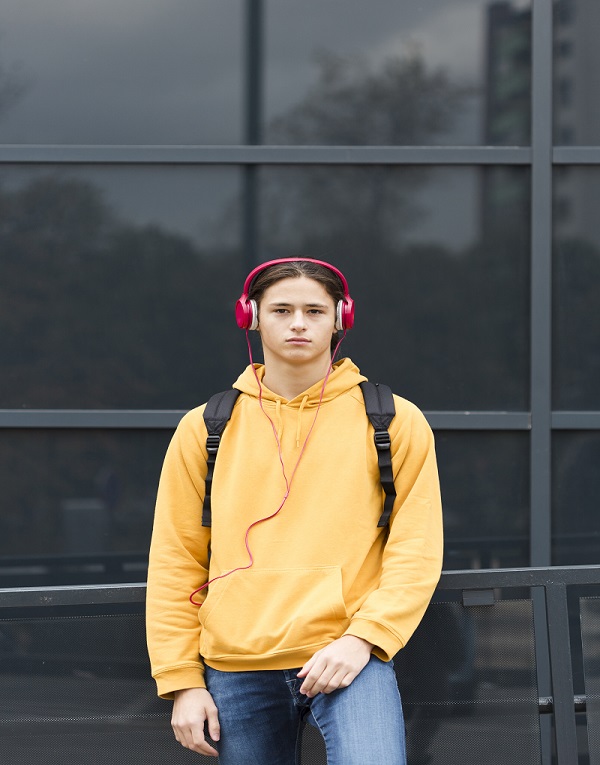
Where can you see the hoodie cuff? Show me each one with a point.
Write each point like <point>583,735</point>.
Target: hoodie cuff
<point>180,679</point>
<point>386,644</point>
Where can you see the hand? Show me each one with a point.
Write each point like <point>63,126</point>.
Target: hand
<point>191,709</point>
<point>335,666</point>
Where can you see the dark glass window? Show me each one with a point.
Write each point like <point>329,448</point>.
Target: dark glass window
<point>576,320</point>
<point>437,261</point>
<point>485,492</point>
<point>576,72</point>
<point>575,492</point>
<point>388,73</point>
<point>117,286</point>
<point>77,505</point>
<point>161,71</point>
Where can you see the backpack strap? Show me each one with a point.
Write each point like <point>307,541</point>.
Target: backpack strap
<point>379,403</point>
<point>216,416</point>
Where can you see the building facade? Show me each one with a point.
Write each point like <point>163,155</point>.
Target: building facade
<point>444,156</point>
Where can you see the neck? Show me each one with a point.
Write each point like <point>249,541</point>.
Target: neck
<point>289,380</point>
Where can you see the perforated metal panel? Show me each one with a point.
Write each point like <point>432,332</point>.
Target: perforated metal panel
<point>77,691</point>
<point>590,638</point>
<point>469,687</point>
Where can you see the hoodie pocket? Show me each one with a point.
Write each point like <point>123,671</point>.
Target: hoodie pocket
<point>265,611</point>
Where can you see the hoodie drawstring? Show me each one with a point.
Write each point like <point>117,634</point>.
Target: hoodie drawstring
<point>299,420</point>
<point>278,418</point>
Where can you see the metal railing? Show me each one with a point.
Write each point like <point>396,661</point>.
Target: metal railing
<point>551,594</point>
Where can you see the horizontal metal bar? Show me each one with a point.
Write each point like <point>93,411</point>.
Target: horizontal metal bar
<point>479,420</point>
<point>90,418</point>
<point>266,155</point>
<point>576,420</point>
<point>546,704</point>
<point>576,155</point>
<point>518,577</point>
<point>450,580</point>
<point>169,418</point>
<point>72,595</point>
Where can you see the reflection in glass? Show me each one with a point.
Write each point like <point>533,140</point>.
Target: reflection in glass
<point>485,492</point>
<point>576,277</point>
<point>164,72</point>
<point>437,261</point>
<point>77,505</point>
<point>575,492</point>
<point>576,72</point>
<point>117,286</point>
<point>385,73</point>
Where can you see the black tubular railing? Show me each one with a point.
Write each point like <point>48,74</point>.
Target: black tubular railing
<point>496,647</point>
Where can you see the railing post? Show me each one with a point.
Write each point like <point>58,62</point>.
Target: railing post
<point>561,673</point>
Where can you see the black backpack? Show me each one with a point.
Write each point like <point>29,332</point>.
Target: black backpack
<point>379,405</point>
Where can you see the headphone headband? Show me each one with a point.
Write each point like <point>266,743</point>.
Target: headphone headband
<point>256,271</point>
<point>246,311</point>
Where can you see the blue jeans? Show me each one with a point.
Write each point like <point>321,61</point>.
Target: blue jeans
<point>262,713</point>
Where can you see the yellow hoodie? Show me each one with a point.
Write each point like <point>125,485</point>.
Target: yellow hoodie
<point>321,566</point>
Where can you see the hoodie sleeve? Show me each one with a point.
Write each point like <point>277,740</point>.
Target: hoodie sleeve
<point>412,560</point>
<point>178,562</point>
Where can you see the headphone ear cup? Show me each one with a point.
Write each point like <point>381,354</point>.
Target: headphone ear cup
<point>339,316</point>
<point>243,313</point>
<point>253,314</point>
<point>344,314</point>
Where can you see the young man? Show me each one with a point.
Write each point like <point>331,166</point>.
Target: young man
<point>298,599</point>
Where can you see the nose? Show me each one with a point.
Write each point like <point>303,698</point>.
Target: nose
<point>298,321</point>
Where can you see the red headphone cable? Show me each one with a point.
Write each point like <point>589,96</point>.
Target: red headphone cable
<point>288,484</point>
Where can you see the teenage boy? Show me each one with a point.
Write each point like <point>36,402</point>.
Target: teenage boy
<point>299,600</point>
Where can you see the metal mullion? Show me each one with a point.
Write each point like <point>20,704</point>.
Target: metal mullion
<point>541,282</point>
<point>265,155</point>
<point>253,117</point>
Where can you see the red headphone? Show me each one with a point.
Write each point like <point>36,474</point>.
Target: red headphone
<point>246,311</point>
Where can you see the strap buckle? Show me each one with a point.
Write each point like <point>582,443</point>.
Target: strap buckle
<point>212,444</point>
<point>382,440</point>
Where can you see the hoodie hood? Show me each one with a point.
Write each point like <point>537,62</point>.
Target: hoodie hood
<point>345,375</point>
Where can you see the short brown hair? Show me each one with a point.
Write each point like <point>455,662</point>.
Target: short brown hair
<point>294,270</point>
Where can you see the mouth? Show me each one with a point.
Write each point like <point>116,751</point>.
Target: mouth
<point>298,341</point>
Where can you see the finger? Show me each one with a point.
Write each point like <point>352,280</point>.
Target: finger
<point>214,727</point>
<point>182,737</point>
<point>315,682</point>
<point>193,738</point>
<point>339,680</point>
<point>201,745</point>
<point>308,666</point>
<point>311,675</point>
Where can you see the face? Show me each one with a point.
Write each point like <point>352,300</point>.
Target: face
<point>296,320</point>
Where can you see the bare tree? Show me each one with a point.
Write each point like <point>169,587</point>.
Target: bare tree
<point>399,102</point>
